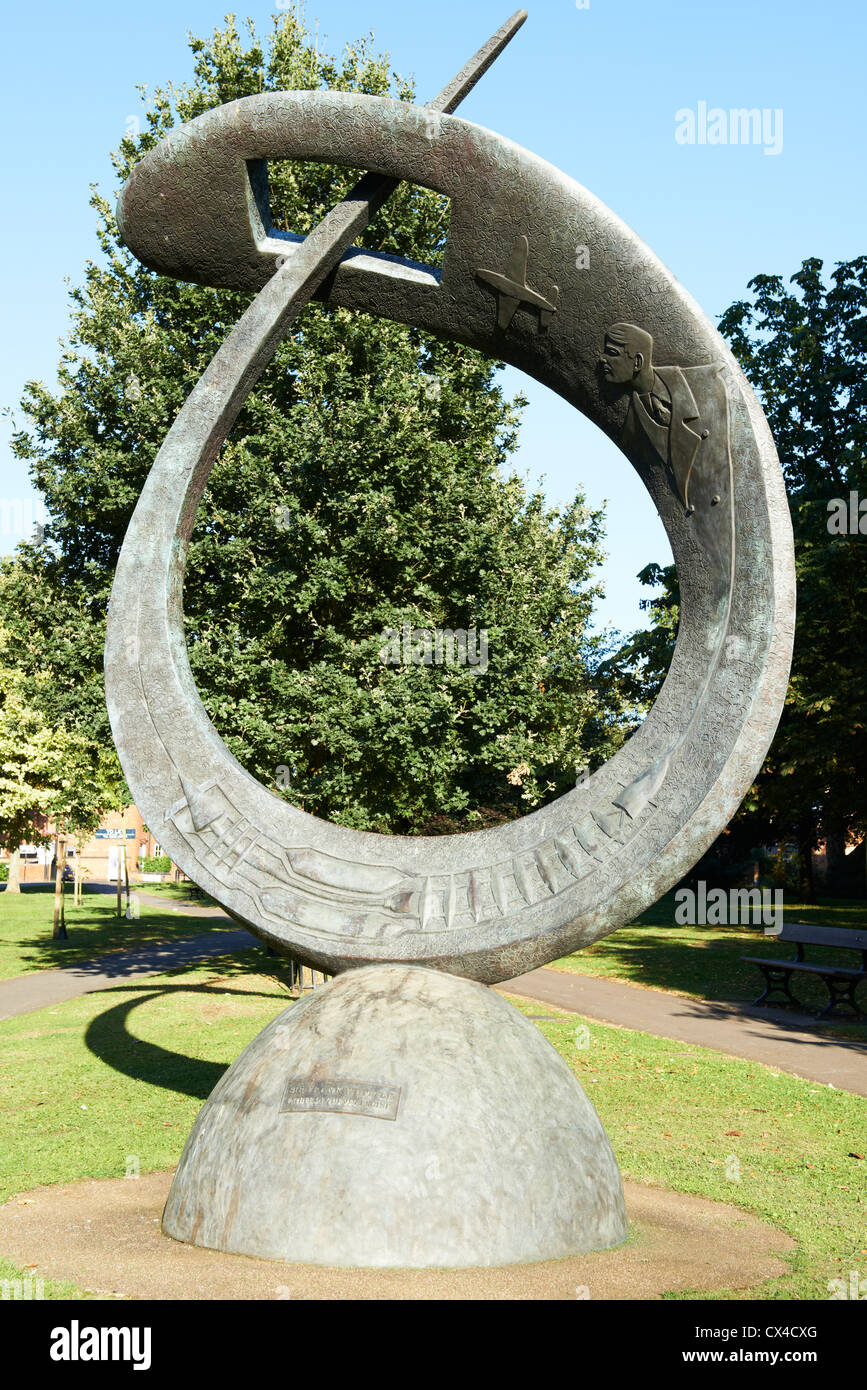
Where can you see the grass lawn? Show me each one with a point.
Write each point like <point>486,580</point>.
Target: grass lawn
<point>26,921</point>
<point>178,892</point>
<point>704,962</point>
<point>94,1082</point>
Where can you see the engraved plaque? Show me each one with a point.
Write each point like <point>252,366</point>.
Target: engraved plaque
<point>345,1097</point>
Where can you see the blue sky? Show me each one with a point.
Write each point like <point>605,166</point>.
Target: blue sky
<point>594,89</point>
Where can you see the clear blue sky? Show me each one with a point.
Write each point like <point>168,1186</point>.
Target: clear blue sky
<point>594,90</point>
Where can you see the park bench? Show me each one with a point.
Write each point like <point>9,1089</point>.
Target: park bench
<point>841,982</point>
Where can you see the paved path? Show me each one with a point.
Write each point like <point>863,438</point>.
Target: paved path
<point>192,908</point>
<point>782,1040</point>
<point>41,988</point>
<point>778,1038</point>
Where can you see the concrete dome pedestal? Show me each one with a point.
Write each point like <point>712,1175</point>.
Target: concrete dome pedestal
<point>398,1117</point>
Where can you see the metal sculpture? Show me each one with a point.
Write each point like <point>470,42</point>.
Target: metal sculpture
<point>622,341</point>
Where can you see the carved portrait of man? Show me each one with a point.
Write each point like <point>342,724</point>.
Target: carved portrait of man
<point>681,412</point>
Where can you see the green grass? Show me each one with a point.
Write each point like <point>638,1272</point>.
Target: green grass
<point>701,962</point>
<point>88,1083</point>
<point>705,962</point>
<point>49,1289</point>
<point>676,1114</point>
<point>178,892</point>
<point>26,942</point>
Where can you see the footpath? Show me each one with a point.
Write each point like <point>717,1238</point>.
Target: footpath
<point>778,1038</point>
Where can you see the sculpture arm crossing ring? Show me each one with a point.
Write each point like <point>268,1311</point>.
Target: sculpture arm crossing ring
<point>620,340</point>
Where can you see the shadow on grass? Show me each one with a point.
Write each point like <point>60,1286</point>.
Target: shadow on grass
<point>100,943</point>
<point>159,955</point>
<point>786,1023</point>
<point>108,1036</point>
<point>29,888</point>
<point>706,960</point>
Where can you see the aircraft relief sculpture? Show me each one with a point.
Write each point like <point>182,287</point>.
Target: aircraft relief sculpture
<point>426,923</point>
<point>513,292</point>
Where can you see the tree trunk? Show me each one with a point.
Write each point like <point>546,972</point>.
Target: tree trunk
<point>60,933</point>
<point>805,847</point>
<point>14,883</point>
<point>126,883</point>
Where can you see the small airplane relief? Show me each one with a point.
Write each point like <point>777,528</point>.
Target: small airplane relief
<point>513,290</point>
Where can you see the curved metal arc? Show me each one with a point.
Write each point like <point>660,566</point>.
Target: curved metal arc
<point>478,901</point>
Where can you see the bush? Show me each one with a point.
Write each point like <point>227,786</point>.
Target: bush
<point>787,867</point>
<point>162,865</point>
<point>4,872</point>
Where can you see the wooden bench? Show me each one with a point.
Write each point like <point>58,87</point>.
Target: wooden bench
<point>840,981</point>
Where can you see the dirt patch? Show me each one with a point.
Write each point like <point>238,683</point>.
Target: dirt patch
<point>105,1237</point>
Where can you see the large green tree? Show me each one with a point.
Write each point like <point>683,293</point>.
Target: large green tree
<point>362,489</point>
<point>803,347</point>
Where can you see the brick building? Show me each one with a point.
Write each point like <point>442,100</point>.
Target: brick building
<point>100,857</point>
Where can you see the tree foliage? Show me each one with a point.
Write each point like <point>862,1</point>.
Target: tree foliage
<point>362,488</point>
<point>47,771</point>
<point>804,350</point>
<point>643,661</point>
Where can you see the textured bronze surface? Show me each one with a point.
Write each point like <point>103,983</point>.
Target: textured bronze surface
<point>631,350</point>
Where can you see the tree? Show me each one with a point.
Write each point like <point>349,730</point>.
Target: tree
<point>805,353</point>
<point>360,491</point>
<point>642,662</point>
<point>26,765</point>
<point>47,772</point>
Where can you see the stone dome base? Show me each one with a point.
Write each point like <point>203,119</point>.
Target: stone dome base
<point>398,1117</point>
